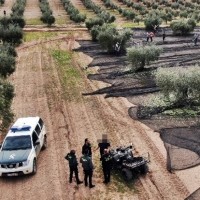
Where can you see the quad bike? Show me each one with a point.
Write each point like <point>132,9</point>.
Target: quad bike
<point>127,163</point>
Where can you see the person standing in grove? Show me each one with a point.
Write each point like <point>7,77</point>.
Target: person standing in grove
<point>87,168</point>
<point>196,36</point>
<point>163,35</point>
<point>73,166</point>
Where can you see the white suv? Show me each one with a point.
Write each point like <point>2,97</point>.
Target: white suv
<point>21,146</point>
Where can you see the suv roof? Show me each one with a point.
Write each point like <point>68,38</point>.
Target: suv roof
<point>23,126</point>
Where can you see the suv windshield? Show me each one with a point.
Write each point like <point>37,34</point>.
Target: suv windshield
<point>17,142</point>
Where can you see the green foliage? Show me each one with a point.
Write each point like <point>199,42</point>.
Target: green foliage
<point>18,8</point>
<point>152,21</point>
<point>138,57</point>
<point>94,21</point>
<point>183,27</point>
<point>9,49</point>
<point>6,96</point>
<point>101,13</point>
<point>11,33</point>
<point>47,18</point>
<point>2,2</point>
<point>47,14</point>
<point>7,64</point>
<point>95,32</point>
<point>180,85</point>
<point>112,40</point>
<point>73,12</point>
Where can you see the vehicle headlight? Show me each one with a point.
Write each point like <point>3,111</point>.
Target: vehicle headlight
<point>25,163</point>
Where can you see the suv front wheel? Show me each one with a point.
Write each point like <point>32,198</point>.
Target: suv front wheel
<point>34,167</point>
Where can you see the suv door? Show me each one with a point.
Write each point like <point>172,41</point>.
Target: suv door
<point>35,139</point>
<point>39,133</point>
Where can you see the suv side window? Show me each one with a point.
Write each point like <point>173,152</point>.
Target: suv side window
<point>34,137</point>
<point>37,130</point>
<point>41,123</point>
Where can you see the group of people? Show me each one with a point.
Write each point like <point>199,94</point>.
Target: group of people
<point>87,164</point>
<point>152,34</point>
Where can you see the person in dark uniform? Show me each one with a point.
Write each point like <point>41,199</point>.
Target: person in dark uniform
<point>73,166</point>
<point>163,35</point>
<point>87,147</point>
<point>87,168</point>
<point>103,144</point>
<point>106,165</point>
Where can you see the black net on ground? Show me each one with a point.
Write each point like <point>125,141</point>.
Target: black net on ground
<point>183,147</point>
<point>194,196</point>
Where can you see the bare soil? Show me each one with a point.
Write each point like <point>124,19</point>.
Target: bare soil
<point>70,117</point>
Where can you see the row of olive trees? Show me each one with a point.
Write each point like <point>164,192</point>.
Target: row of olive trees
<point>128,13</point>
<point>47,14</point>
<point>101,13</point>
<point>73,12</point>
<point>11,34</point>
<point>7,67</point>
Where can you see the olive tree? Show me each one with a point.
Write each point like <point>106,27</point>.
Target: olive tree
<point>183,27</point>
<point>180,85</point>
<point>151,21</point>
<point>6,96</point>
<point>112,40</point>
<point>140,56</point>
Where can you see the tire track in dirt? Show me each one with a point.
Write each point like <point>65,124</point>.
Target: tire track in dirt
<point>59,12</point>
<point>32,9</point>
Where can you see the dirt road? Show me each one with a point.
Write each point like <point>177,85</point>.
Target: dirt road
<point>70,118</point>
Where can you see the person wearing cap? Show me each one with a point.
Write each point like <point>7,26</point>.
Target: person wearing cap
<point>73,166</point>
<point>87,147</point>
<point>87,168</point>
<point>106,165</point>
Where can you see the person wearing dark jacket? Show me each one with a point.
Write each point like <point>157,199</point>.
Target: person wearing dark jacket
<point>87,147</point>
<point>87,168</point>
<point>103,144</point>
<point>73,166</point>
<point>106,165</point>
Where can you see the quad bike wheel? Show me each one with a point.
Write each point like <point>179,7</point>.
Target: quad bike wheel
<point>127,174</point>
<point>144,169</point>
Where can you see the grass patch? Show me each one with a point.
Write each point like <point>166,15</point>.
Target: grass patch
<point>183,112</point>
<point>120,185</point>
<point>62,20</point>
<point>34,36</point>
<point>35,21</point>
<point>69,75</point>
<point>133,25</point>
